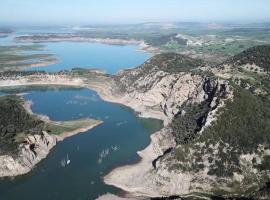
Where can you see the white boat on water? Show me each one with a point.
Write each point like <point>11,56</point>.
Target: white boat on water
<point>68,160</point>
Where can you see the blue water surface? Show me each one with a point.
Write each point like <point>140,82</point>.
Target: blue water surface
<point>82,178</point>
<point>109,58</point>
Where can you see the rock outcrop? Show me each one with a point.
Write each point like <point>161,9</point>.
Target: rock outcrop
<point>25,138</point>
<point>161,85</point>
<point>29,153</point>
<point>152,176</point>
<point>215,141</point>
<point>198,151</point>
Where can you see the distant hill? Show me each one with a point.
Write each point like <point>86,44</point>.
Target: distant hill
<point>165,39</point>
<point>258,55</point>
<point>172,62</point>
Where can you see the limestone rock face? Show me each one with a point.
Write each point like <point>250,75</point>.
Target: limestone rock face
<point>208,143</point>
<point>34,149</point>
<point>167,94</point>
<point>161,94</point>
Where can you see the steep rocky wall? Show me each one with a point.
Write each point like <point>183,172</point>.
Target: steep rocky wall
<point>29,153</point>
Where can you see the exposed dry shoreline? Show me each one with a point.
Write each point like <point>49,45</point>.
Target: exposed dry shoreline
<point>105,90</point>
<point>67,134</point>
<point>73,38</point>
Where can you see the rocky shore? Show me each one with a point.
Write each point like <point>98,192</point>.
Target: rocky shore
<point>197,152</point>
<point>36,147</point>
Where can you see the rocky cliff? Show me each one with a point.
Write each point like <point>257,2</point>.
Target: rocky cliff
<point>26,138</point>
<point>28,154</point>
<point>216,136</point>
<point>23,141</point>
<point>161,85</point>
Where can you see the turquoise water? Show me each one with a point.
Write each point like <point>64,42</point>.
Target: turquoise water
<point>110,58</point>
<point>82,178</point>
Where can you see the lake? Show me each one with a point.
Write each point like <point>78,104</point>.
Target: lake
<point>122,134</point>
<point>109,58</point>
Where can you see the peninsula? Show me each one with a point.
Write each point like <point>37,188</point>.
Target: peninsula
<point>27,138</point>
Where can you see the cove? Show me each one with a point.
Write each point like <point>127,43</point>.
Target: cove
<point>82,178</point>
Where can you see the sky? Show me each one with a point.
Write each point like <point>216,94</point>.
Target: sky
<point>82,12</point>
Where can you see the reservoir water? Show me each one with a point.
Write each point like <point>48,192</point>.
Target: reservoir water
<point>122,134</point>
<point>109,58</point>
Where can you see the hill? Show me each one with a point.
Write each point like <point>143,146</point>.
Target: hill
<point>216,139</point>
<point>258,55</point>
<point>159,65</point>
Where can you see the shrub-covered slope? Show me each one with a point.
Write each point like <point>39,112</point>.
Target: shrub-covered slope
<point>258,55</point>
<point>15,122</point>
<point>220,129</point>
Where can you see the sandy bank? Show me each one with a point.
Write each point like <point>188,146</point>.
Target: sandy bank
<point>113,197</point>
<point>80,130</point>
<point>135,178</point>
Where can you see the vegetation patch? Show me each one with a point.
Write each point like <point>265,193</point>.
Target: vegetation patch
<point>15,123</point>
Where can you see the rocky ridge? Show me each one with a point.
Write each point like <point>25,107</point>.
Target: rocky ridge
<point>33,150</point>
<point>188,156</point>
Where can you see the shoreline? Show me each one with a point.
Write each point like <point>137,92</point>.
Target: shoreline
<point>66,134</point>
<point>143,47</point>
<point>122,176</point>
<point>105,89</point>
<point>147,155</point>
<point>74,38</point>
<point>27,157</point>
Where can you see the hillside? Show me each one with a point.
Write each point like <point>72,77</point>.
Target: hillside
<point>216,141</point>
<point>26,139</point>
<point>15,122</point>
<point>258,55</point>
<point>160,65</point>
<point>249,70</point>
<point>163,40</point>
